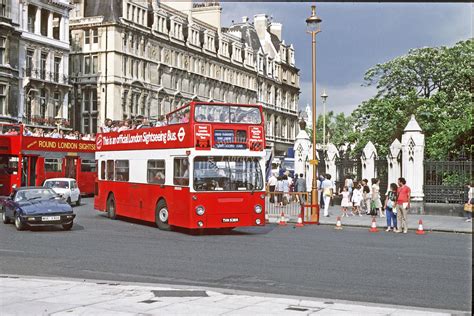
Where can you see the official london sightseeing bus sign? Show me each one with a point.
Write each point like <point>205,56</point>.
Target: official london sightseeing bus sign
<point>164,137</point>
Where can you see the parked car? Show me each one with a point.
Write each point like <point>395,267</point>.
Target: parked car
<point>66,187</point>
<point>36,206</point>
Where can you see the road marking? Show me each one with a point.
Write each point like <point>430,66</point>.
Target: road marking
<point>8,250</point>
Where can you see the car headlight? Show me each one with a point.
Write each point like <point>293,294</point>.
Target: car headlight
<point>258,209</point>
<point>200,210</point>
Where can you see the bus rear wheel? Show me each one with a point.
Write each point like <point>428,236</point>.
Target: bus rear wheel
<point>162,215</point>
<point>111,207</point>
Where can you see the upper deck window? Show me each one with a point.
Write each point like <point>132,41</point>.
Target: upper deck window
<point>227,114</point>
<point>179,117</point>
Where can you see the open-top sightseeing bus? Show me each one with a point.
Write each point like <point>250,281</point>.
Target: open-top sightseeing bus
<point>204,168</point>
<point>29,160</point>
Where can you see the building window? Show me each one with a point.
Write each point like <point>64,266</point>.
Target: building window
<point>89,111</point>
<point>43,103</point>
<point>57,63</point>
<point>29,61</point>
<point>3,8</point>
<point>156,171</point>
<point>87,37</point>
<point>125,64</point>
<point>31,18</point>
<point>95,36</point>
<point>3,42</point>
<point>3,103</point>
<point>94,64</point>
<point>44,57</point>
<point>57,102</point>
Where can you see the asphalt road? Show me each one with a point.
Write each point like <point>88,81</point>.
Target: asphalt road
<point>432,271</point>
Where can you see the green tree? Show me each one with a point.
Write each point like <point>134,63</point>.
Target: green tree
<point>436,85</point>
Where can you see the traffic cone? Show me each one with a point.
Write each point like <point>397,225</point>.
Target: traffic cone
<point>373,228</point>
<point>282,219</point>
<point>300,222</point>
<point>338,223</point>
<point>420,230</point>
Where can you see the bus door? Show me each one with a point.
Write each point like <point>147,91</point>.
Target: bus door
<point>8,173</point>
<point>32,170</point>
<point>28,171</point>
<point>70,167</point>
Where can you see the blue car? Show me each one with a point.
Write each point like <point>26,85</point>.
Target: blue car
<point>36,206</point>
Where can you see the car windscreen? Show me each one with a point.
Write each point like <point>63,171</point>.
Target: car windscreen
<point>34,194</point>
<point>60,184</point>
<point>227,173</point>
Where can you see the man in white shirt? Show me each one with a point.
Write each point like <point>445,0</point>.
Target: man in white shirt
<point>272,182</point>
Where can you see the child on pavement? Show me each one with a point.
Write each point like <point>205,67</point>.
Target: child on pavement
<point>345,203</point>
<point>356,199</point>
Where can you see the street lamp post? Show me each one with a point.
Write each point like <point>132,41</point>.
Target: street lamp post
<point>324,96</point>
<point>313,24</point>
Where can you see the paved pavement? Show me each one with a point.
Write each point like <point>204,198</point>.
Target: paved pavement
<point>437,223</point>
<point>22,295</point>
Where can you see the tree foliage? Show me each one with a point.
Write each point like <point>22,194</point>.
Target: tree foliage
<point>434,84</point>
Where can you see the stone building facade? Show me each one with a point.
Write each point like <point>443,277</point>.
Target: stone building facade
<point>43,61</point>
<point>9,59</point>
<point>136,58</point>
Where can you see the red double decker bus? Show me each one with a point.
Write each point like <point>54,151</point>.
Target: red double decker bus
<point>203,168</point>
<point>29,160</point>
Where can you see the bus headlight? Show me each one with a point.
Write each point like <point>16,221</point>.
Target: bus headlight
<point>200,210</point>
<point>258,209</point>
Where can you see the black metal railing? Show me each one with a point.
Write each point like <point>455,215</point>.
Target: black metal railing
<point>42,74</point>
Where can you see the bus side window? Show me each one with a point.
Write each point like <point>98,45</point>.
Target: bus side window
<point>156,171</point>
<point>181,171</point>
<point>110,170</point>
<point>121,170</point>
<point>102,170</point>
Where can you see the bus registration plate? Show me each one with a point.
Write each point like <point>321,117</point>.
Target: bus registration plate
<point>230,220</point>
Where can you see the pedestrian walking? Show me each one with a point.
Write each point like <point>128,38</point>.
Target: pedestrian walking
<point>346,203</point>
<point>327,188</point>
<point>366,197</point>
<point>403,204</point>
<point>390,207</point>
<point>279,191</point>
<point>321,178</point>
<point>376,201</point>
<point>272,182</point>
<point>470,201</point>
<point>301,187</point>
<point>285,189</point>
<point>356,199</point>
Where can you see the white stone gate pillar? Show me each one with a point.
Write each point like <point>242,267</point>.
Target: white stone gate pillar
<point>413,150</point>
<point>393,160</point>
<point>369,154</point>
<point>331,154</point>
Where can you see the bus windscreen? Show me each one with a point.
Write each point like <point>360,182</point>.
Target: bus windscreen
<point>226,173</point>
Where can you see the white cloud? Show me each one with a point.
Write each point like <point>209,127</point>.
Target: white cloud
<point>343,98</point>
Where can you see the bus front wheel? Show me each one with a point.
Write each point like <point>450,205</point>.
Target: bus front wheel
<point>161,215</point>
<point>111,207</point>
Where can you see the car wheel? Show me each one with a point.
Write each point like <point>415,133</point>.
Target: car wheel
<point>78,202</point>
<point>18,223</point>
<point>67,226</point>
<point>162,215</point>
<point>5,218</point>
<point>111,207</point>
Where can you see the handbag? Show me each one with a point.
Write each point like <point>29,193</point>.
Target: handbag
<point>468,207</point>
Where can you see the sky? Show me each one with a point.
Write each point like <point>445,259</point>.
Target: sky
<point>355,37</point>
